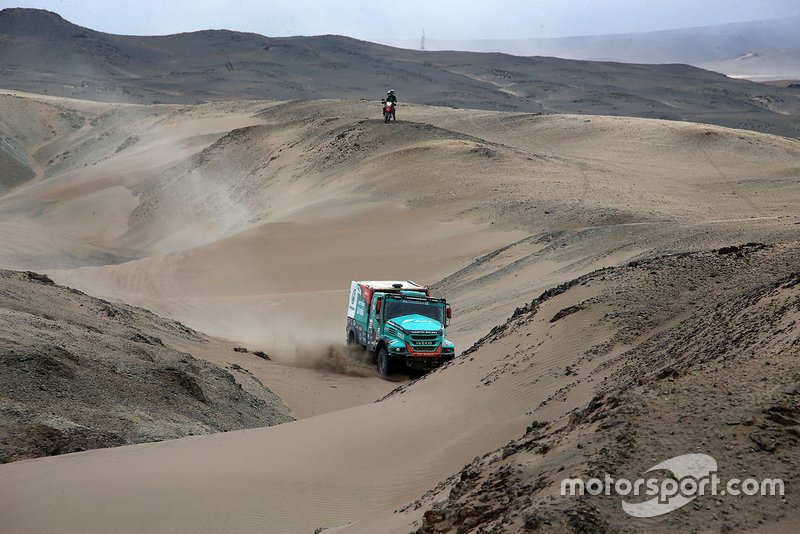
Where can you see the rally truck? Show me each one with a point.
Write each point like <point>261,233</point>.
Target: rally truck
<point>400,324</point>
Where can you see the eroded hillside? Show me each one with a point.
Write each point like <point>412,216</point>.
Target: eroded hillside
<point>80,373</point>
<point>681,354</point>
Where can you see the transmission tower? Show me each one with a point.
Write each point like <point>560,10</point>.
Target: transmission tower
<point>422,41</point>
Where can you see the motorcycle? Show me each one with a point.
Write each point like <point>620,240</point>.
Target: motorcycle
<point>388,110</point>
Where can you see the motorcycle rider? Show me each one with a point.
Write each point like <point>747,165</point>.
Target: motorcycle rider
<point>393,99</point>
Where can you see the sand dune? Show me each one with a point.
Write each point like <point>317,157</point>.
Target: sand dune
<point>247,220</point>
<point>294,197</point>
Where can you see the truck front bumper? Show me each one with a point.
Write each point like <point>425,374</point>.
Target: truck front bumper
<point>419,360</point>
<point>425,363</point>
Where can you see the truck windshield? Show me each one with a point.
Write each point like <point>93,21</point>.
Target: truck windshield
<point>399,308</point>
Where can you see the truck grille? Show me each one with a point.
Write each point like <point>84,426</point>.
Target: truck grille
<point>425,342</point>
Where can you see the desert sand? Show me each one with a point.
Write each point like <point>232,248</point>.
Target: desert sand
<point>246,220</point>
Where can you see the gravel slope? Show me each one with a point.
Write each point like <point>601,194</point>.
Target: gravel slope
<point>79,373</point>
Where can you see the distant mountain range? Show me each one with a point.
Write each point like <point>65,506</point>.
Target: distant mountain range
<point>715,47</point>
<point>43,53</point>
<point>761,65</point>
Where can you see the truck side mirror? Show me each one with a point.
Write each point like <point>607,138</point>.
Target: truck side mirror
<point>378,306</point>
<point>449,313</point>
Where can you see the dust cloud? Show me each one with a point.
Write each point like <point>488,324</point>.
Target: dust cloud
<point>336,358</point>
<point>323,351</point>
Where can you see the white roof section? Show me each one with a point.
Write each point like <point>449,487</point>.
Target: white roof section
<point>388,285</point>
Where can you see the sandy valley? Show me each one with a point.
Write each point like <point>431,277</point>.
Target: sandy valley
<point>625,290</point>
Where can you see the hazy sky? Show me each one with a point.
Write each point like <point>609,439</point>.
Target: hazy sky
<point>466,19</point>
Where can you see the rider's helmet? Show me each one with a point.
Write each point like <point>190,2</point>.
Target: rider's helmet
<point>390,92</point>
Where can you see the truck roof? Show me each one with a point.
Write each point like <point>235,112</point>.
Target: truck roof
<point>388,285</point>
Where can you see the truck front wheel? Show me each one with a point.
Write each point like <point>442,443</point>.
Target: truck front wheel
<point>383,363</point>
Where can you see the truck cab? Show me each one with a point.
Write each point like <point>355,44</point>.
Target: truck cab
<point>400,324</point>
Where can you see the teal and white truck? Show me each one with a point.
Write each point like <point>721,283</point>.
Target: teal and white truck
<point>400,324</point>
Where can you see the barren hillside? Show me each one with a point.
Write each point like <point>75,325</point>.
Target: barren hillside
<point>691,353</point>
<point>79,373</point>
<point>43,53</point>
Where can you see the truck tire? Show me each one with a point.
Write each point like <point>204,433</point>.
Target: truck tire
<point>351,338</point>
<point>384,364</point>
